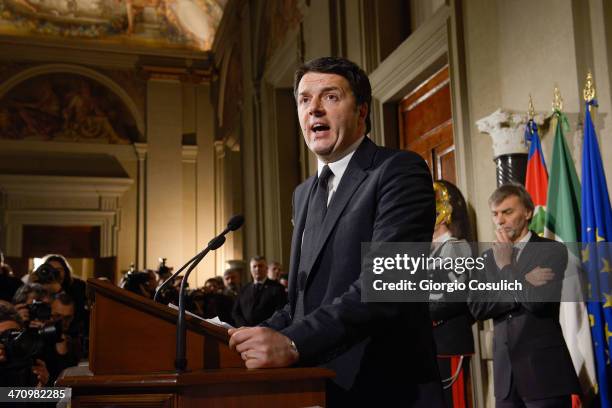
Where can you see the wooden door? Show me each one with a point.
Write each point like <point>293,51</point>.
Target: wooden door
<point>426,127</point>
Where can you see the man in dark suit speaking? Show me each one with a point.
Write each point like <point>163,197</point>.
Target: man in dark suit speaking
<point>382,353</point>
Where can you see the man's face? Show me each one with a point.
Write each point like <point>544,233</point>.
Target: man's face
<point>511,216</point>
<point>329,117</point>
<point>274,271</point>
<point>65,313</point>
<point>232,279</point>
<point>258,270</point>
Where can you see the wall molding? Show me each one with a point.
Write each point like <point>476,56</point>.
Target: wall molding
<point>61,201</point>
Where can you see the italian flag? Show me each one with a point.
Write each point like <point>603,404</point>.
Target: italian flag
<point>563,224</point>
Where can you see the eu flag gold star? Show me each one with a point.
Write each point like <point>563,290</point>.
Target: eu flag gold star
<point>591,320</point>
<point>606,265</point>
<point>608,300</point>
<point>585,254</point>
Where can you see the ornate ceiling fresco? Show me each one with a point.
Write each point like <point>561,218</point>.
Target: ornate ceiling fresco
<point>182,24</point>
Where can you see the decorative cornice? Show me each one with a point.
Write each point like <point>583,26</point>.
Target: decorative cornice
<point>189,154</point>
<point>219,148</point>
<point>75,45</point>
<point>121,152</point>
<point>141,150</point>
<point>63,185</point>
<point>177,74</point>
<point>415,55</point>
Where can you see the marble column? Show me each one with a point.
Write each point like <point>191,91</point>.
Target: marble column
<point>510,149</point>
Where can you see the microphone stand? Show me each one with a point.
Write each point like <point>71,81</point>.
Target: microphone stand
<point>180,363</point>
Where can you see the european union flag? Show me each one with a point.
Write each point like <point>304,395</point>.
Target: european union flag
<point>597,228</point>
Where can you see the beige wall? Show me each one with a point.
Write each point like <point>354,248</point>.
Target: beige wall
<point>164,173</point>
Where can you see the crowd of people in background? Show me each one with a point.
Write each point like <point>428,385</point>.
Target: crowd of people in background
<point>44,315</point>
<point>236,298</point>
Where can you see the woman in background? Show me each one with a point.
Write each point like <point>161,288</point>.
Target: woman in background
<point>452,320</point>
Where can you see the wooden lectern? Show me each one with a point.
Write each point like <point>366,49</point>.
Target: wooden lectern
<point>131,363</point>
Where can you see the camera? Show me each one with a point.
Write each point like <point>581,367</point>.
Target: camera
<point>39,310</point>
<point>21,349</point>
<point>21,346</point>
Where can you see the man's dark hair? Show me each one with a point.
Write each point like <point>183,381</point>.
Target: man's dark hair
<point>21,296</point>
<point>64,262</point>
<point>257,258</point>
<point>512,189</point>
<point>356,77</point>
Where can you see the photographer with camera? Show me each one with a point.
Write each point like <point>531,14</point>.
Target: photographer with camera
<point>33,303</point>
<point>74,287</point>
<point>18,347</point>
<point>55,274</point>
<point>67,351</point>
<point>53,330</point>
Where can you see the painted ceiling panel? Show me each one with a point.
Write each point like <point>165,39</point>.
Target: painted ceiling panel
<point>182,24</point>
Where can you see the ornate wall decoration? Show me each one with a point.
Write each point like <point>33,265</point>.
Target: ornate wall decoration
<point>284,15</point>
<point>167,23</point>
<point>133,82</point>
<point>68,108</point>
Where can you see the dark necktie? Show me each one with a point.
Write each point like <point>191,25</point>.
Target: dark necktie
<point>317,208</point>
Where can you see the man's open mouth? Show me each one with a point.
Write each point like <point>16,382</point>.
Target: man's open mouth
<point>319,128</point>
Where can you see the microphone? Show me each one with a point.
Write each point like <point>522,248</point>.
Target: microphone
<point>181,330</point>
<point>232,225</point>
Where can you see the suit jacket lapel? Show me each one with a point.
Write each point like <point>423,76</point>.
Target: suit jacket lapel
<point>301,207</point>
<point>529,252</point>
<point>352,178</point>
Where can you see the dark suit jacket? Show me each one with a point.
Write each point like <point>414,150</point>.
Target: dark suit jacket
<point>252,307</point>
<point>382,353</point>
<point>528,344</point>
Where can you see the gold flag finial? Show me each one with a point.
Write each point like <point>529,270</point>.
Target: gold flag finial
<point>557,99</point>
<point>589,88</point>
<point>531,110</point>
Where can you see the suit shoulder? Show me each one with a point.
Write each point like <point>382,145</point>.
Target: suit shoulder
<point>550,242</point>
<point>273,283</point>
<point>399,158</point>
<point>303,185</point>
<point>386,153</point>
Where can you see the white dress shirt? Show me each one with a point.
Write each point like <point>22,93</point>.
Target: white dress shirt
<point>337,168</point>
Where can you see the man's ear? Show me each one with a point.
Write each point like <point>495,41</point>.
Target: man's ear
<point>363,110</point>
